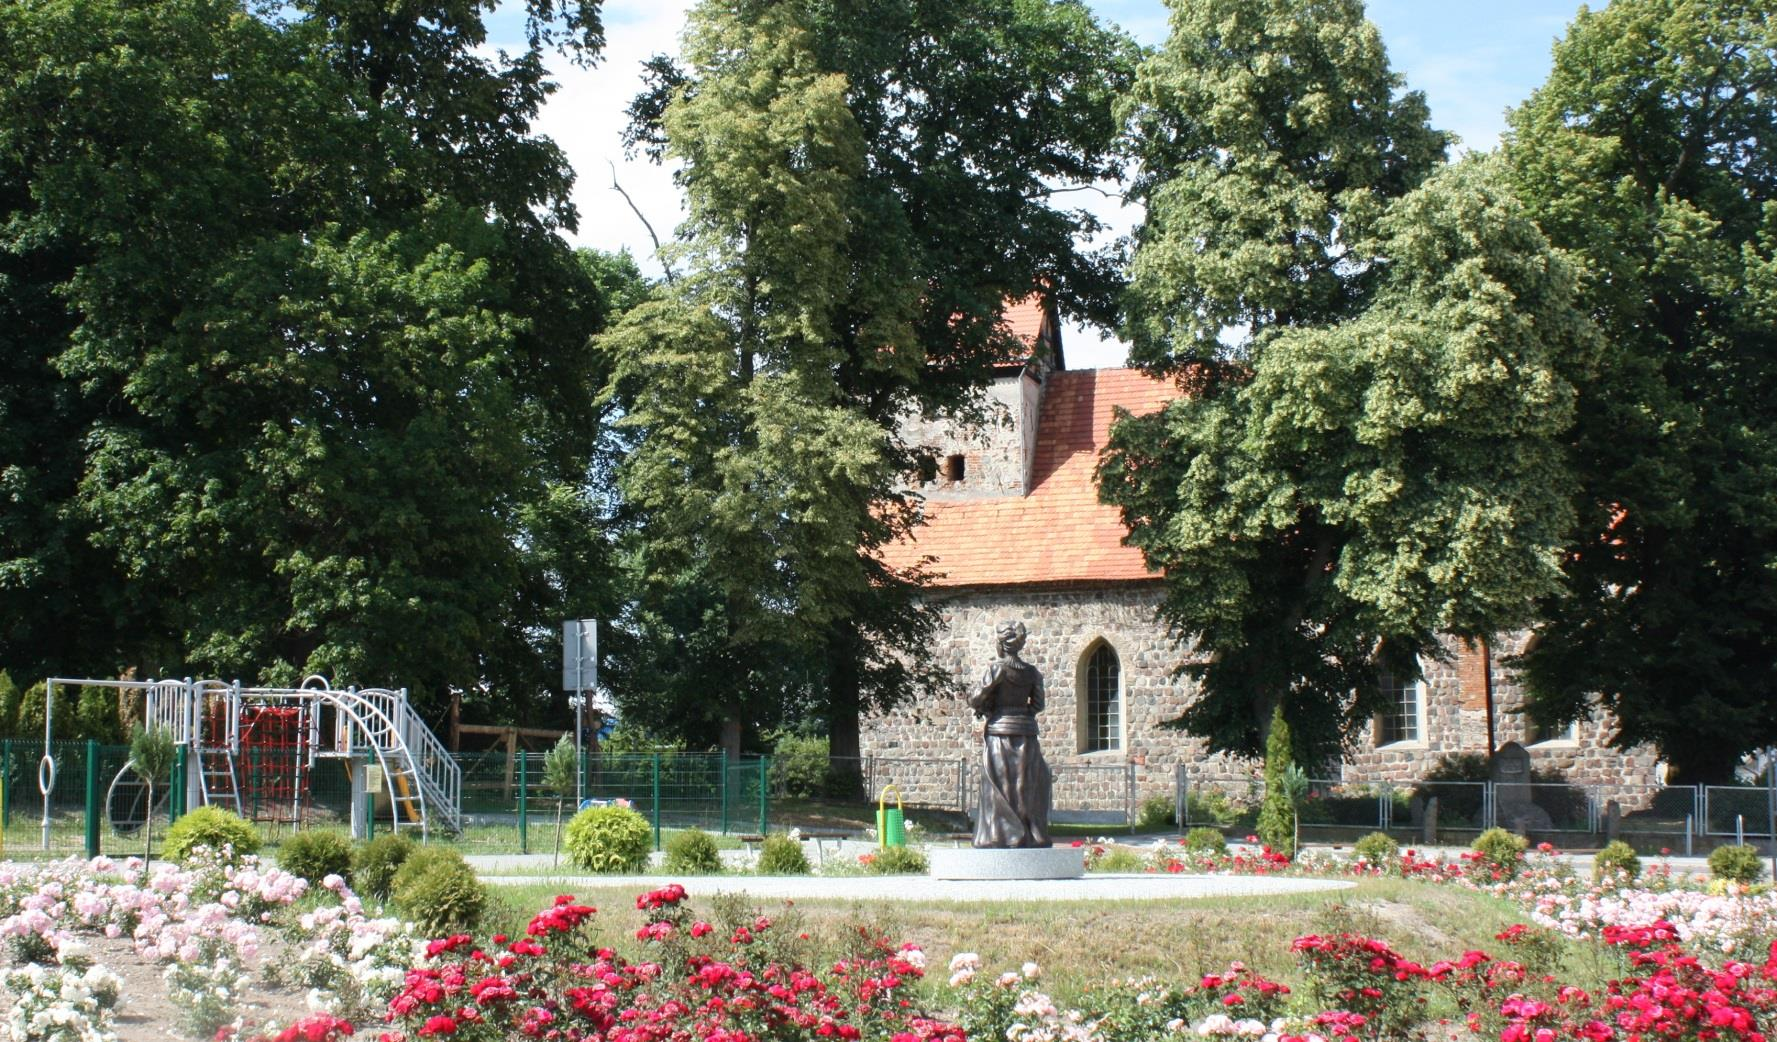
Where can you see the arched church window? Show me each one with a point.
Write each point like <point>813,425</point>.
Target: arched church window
<point>1102,728</point>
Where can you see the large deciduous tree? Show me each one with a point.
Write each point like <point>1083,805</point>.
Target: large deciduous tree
<point>867,184</point>
<point>1375,354</point>
<point>302,378</point>
<point>1651,156</point>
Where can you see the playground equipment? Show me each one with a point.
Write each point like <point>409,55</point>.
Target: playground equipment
<point>255,751</point>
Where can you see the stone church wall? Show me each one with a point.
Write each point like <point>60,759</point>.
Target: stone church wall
<point>1065,625</point>
<point>928,748</point>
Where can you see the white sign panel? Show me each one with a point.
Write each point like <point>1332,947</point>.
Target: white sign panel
<point>579,654</point>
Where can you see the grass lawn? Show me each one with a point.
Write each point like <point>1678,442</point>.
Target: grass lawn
<point>1083,944</point>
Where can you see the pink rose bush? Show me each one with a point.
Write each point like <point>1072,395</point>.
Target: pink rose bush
<point>741,983</point>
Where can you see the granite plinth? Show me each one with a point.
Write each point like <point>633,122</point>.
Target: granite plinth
<point>1020,863</point>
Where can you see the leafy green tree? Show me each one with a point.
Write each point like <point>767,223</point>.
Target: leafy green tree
<point>561,775</point>
<point>1376,361</point>
<point>1270,135</point>
<point>152,754</point>
<point>348,429</point>
<point>866,185</point>
<point>1649,156</point>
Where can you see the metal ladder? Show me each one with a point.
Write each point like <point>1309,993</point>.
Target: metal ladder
<point>221,783</point>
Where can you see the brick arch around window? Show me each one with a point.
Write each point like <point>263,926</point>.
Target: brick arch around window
<point>1101,711</point>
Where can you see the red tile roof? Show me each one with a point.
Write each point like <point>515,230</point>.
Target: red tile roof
<point>1060,532</point>
<point>1025,318</point>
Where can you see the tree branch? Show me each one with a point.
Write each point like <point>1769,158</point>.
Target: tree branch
<point>633,208</point>
<point>1077,188</point>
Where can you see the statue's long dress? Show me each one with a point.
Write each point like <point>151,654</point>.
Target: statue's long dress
<point>1015,778</point>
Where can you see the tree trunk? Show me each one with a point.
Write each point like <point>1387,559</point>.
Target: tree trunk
<point>731,730</point>
<point>844,703</point>
<point>845,760</point>
<point>148,832</point>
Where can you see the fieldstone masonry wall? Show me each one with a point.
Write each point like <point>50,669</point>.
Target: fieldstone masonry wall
<point>997,447</point>
<point>1456,722</point>
<point>927,747</point>
<point>1065,625</point>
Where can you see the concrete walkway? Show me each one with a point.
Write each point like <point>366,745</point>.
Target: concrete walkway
<point>524,869</point>
<point>1094,887</point>
<point>498,869</point>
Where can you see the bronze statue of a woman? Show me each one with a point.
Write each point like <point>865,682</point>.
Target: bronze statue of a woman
<point>1014,776</point>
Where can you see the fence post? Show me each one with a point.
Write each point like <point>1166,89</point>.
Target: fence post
<point>370,813</point>
<point>1180,805</point>
<point>1771,815</point>
<point>656,800</point>
<point>726,767</point>
<point>1129,796</point>
<point>176,787</point>
<point>524,784</point>
<point>92,797</point>
<point>763,795</point>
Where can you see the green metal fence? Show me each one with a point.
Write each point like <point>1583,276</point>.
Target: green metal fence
<point>507,808</point>
<point>74,823</point>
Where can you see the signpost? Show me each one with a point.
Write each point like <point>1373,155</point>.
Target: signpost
<point>579,674</point>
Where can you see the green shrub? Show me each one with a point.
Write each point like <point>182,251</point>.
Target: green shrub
<point>609,839</point>
<point>1740,864</point>
<point>1616,859</point>
<point>898,861</point>
<point>800,765</point>
<point>782,856</point>
<point>1120,859</point>
<point>1157,814</point>
<point>211,827</point>
<point>437,891</point>
<point>1378,848</point>
<point>693,853</point>
<point>1211,805</point>
<point>1501,851</point>
<point>316,855</point>
<point>1204,840</point>
<point>375,863</point>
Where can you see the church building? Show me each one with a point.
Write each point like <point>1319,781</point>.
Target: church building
<point>1014,530</point>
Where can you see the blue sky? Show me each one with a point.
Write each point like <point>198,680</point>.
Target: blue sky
<point>1472,60</point>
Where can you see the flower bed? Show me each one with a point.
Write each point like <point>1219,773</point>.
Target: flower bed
<point>1669,959</point>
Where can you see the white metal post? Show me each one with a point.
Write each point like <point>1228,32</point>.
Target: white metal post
<point>46,767</point>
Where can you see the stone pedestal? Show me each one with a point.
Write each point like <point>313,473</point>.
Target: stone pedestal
<point>1028,863</point>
